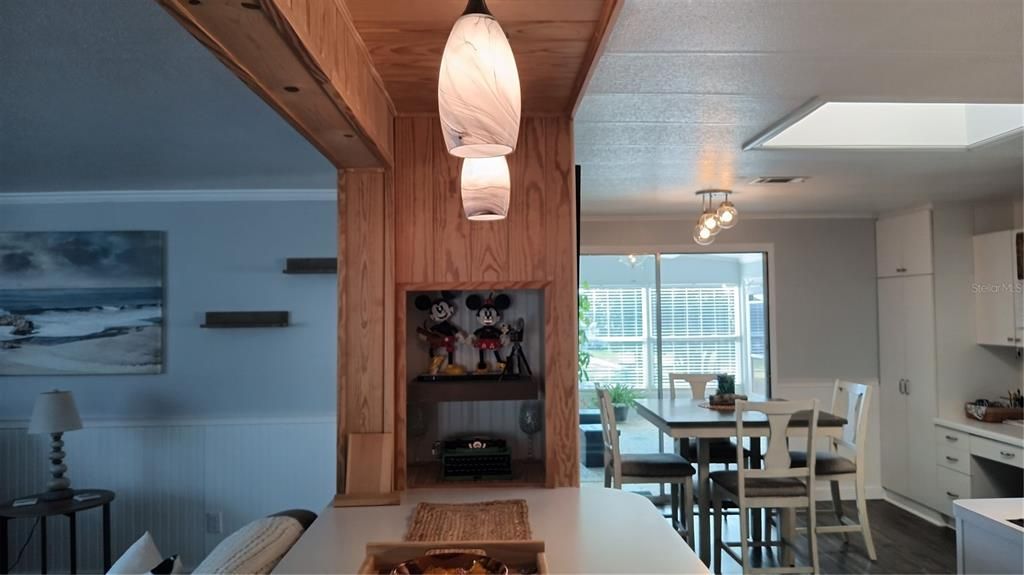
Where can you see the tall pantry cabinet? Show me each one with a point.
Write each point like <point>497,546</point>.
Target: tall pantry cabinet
<point>907,362</point>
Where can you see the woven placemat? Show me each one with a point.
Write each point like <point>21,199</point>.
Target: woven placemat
<point>507,520</point>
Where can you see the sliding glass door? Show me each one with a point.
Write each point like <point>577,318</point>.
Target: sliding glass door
<point>649,315</point>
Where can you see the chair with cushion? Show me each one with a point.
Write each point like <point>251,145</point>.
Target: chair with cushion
<point>851,401</point>
<point>625,468</point>
<point>720,451</point>
<point>777,486</point>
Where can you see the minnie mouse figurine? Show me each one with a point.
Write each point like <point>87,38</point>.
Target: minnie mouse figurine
<point>442,334</point>
<point>490,336</point>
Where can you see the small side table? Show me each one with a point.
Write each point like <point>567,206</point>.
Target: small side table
<point>66,507</point>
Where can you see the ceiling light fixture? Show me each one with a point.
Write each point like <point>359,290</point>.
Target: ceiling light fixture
<point>478,94</point>
<point>713,220</point>
<point>892,125</point>
<point>485,188</point>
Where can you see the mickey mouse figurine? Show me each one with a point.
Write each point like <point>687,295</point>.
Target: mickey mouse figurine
<point>443,334</point>
<point>490,336</point>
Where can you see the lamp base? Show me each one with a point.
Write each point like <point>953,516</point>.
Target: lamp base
<point>57,495</point>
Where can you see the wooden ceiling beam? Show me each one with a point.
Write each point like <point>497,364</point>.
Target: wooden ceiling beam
<point>609,15</point>
<point>306,60</point>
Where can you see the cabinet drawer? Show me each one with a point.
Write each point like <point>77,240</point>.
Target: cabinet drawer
<point>945,436</point>
<point>997,451</point>
<point>953,458</point>
<point>952,485</point>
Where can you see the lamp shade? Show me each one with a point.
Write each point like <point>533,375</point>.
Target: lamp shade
<point>485,188</point>
<point>54,412</point>
<point>478,93</point>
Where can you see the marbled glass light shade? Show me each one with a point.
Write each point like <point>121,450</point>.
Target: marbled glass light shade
<point>485,188</point>
<point>478,90</point>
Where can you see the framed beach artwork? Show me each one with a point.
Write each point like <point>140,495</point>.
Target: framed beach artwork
<point>81,303</point>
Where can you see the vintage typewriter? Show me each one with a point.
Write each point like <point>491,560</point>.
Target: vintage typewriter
<point>475,459</point>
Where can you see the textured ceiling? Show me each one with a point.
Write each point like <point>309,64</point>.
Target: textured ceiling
<point>114,94</point>
<point>682,85</point>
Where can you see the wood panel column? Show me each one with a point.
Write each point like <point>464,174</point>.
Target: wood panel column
<point>366,310</point>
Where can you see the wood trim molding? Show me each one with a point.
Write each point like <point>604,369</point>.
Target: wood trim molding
<point>306,66</point>
<point>609,15</point>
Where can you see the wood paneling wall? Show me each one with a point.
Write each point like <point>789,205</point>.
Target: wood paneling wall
<point>366,382</point>
<point>436,247</point>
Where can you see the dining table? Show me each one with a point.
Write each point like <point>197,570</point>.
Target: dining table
<point>689,419</point>
<point>584,530</point>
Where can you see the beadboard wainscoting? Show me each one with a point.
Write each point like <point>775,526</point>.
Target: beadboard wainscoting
<point>170,477</point>
<point>821,390</point>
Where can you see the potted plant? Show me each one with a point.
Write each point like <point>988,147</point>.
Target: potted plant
<point>726,394</point>
<point>582,355</point>
<point>622,397</point>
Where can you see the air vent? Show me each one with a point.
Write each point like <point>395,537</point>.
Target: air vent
<point>779,180</point>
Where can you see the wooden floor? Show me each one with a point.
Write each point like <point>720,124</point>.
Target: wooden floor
<point>904,542</point>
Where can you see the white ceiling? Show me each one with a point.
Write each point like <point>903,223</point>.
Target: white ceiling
<point>683,84</point>
<point>114,95</point>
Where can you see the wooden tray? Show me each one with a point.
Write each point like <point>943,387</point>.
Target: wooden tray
<point>707,405</point>
<point>991,414</point>
<point>519,556</point>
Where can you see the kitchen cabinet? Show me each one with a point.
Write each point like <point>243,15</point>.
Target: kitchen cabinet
<point>904,244</point>
<point>999,310</point>
<point>906,319</point>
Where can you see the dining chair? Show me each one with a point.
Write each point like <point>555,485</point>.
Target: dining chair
<point>850,401</point>
<point>778,485</point>
<point>632,468</point>
<point>720,451</point>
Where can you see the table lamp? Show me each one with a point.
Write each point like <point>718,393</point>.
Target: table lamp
<point>55,413</point>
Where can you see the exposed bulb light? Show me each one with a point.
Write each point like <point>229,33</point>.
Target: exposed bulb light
<point>702,235</point>
<point>713,220</point>
<point>727,215</point>
<point>478,94</point>
<point>709,220</point>
<point>485,188</point>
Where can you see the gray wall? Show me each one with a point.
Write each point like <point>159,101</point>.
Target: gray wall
<point>220,256</point>
<point>825,290</point>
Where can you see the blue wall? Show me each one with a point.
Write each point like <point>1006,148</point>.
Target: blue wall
<point>225,255</point>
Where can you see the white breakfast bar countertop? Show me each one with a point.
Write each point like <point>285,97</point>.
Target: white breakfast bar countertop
<point>1004,432</point>
<point>585,530</point>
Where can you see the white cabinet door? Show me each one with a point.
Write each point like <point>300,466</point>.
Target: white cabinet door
<point>917,242</point>
<point>893,402</point>
<point>994,286</point>
<point>920,388</point>
<point>904,244</point>
<point>888,246</point>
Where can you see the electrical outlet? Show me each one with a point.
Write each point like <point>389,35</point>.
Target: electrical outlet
<point>214,522</point>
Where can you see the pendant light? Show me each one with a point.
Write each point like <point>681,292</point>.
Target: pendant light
<point>702,236</point>
<point>485,188</point>
<point>727,214</point>
<point>713,220</point>
<point>478,95</point>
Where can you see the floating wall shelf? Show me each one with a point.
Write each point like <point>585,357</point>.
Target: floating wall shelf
<point>311,266</point>
<point>236,319</point>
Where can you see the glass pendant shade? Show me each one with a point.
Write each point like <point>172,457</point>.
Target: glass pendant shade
<point>709,221</point>
<point>478,95</point>
<point>727,215</point>
<point>702,236</point>
<point>485,188</point>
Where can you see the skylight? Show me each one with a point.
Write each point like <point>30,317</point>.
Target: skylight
<point>894,125</point>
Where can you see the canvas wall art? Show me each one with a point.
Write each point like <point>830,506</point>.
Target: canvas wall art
<point>78,303</point>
